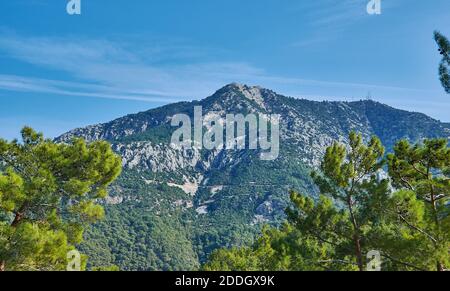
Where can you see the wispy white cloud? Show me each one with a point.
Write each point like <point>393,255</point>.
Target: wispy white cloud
<point>63,88</point>
<point>327,19</point>
<point>116,70</point>
<point>106,69</point>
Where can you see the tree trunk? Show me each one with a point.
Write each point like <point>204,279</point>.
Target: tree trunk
<point>356,236</point>
<point>17,219</point>
<point>359,256</point>
<point>440,267</point>
<point>20,214</point>
<point>358,250</point>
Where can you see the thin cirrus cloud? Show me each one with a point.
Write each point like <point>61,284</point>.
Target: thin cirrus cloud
<point>116,72</point>
<point>106,69</point>
<point>331,14</point>
<point>327,19</point>
<point>37,85</point>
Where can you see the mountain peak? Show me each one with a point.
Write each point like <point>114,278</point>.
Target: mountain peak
<point>244,88</point>
<point>217,187</point>
<point>241,87</point>
<point>253,93</point>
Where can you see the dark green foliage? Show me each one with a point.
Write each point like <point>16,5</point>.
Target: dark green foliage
<point>358,212</point>
<point>348,178</point>
<point>48,193</point>
<point>283,250</point>
<point>253,192</point>
<point>148,232</point>
<point>145,232</point>
<point>391,125</point>
<point>422,171</point>
<point>444,50</point>
<point>112,268</point>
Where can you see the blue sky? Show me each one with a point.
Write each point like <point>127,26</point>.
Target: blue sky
<point>58,72</point>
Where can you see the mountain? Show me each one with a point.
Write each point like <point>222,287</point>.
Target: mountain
<point>172,205</point>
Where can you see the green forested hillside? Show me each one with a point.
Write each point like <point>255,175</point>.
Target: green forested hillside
<point>361,221</point>
<point>171,208</point>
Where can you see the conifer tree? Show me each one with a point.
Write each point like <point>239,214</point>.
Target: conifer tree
<point>405,218</point>
<point>48,193</point>
<point>284,249</point>
<point>422,173</point>
<point>350,202</point>
<point>444,50</point>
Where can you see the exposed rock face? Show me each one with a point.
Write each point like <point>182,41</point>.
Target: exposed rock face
<point>308,125</point>
<point>213,193</point>
<point>114,200</point>
<point>156,157</point>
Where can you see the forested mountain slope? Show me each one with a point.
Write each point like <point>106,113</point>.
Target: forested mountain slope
<point>173,206</point>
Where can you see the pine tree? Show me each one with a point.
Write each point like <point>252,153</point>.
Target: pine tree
<point>422,172</point>
<point>351,197</point>
<point>48,193</point>
<point>406,218</point>
<point>284,249</point>
<point>444,50</point>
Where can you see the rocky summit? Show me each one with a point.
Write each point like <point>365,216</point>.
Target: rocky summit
<point>172,205</point>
